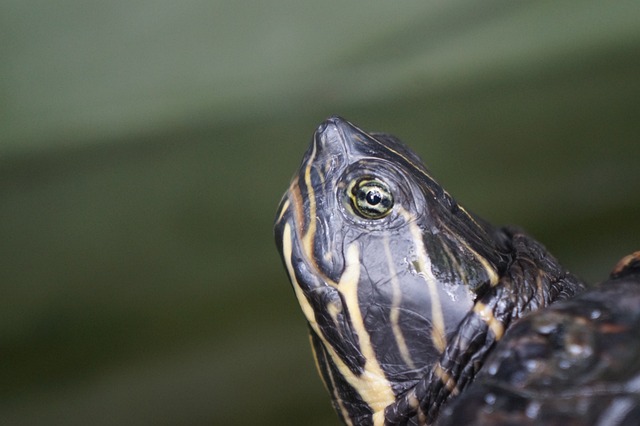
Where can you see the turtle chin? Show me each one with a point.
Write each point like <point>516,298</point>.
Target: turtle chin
<point>323,304</point>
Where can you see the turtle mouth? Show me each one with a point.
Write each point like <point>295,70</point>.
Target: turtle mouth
<point>296,224</point>
<point>342,345</point>
<point>307,212</point>
<point>317,293</point>
<point>310,240</point>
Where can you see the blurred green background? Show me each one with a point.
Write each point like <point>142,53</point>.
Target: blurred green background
<point>144,146</point>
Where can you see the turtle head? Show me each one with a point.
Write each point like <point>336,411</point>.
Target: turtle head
<point>383,262</point>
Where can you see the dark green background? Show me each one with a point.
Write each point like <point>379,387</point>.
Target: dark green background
<point>144,146</point>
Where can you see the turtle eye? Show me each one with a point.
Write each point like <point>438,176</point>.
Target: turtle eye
<point>371,198</point>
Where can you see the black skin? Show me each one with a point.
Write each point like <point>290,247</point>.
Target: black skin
<point>563,358</point>
<point>532,280</point>
<point>575,363</point>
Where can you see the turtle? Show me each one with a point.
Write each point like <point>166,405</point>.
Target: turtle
<point>420,312</point>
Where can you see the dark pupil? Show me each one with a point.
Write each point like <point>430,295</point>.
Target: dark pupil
<point>374,198</point>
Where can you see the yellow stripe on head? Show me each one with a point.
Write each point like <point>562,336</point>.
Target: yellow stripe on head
<point>372,385</point>
<point>394,315</point>
<point>307,238</point>
<point>424,270</point>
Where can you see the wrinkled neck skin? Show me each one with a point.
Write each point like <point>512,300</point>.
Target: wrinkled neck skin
<point>532,280</point>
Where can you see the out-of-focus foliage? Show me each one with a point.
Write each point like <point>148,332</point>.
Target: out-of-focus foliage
<point>144,146</point>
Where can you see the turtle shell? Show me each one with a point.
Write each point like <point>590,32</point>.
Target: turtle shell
<point>576,362</point>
